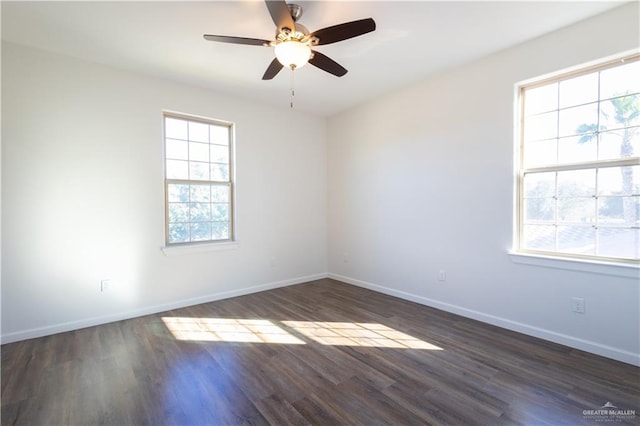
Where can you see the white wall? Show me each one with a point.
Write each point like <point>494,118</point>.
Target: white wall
<point>421,180</point>
<point>82,196</point>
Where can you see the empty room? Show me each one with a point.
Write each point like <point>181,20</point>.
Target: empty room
<point>320,212</point>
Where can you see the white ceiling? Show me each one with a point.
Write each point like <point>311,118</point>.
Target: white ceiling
<point>412,40</point>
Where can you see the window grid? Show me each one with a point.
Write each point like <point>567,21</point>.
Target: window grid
<point>198,184</point>
<point>598,227</point>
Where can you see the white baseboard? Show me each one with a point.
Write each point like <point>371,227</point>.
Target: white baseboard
<point>104,319</point>
<point>563,339</point>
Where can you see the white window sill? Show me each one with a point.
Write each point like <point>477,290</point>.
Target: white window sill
<point>181,250</point>
<point>592,267</point>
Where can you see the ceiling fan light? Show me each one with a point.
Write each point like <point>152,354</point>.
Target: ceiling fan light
<point>293,54</point>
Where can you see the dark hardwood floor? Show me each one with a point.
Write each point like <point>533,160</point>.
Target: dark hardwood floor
<point>336,354</point>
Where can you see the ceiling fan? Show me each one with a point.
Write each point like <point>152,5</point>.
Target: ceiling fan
<point>294,44</point>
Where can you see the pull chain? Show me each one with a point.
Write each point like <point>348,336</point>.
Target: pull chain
<point>293,93</point>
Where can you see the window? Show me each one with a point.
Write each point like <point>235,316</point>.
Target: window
<point>198,179</point>
<point>579,171</point>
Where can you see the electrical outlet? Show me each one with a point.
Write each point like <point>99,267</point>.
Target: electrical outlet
<point>577,305</point>
<point>442,275</point>
<point>105,285</point>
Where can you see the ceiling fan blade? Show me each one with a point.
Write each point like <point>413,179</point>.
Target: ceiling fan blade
<point>280,14</point>
<point>327,64</point>
<point>237,40</point>
<point>344,31</point>
<point>274,68</point>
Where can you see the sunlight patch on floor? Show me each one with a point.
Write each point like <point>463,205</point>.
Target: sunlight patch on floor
<point>265,331</point>
<point>229,330</point>
<point>358,334</point>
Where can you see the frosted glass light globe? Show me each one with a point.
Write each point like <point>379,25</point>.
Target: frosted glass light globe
<point>293,54</point>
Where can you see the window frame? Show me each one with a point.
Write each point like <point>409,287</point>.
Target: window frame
<point>230,183</point>
<point>521,170</point>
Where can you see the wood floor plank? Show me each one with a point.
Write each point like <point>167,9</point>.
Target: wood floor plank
<point>378,403</point>
<point>233,362</point>
<point>278,411</point>
<point>319,413</point>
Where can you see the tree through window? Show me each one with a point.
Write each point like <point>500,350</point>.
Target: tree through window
<point>198,179</point>
<point>579,174</point>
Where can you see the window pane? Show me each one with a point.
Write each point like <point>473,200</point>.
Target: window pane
<point>175,128</point>
<point>577,148</point>
<point>620,112</point>
<point>220,212</point>
<point>178,212</point>
<point>198,171</point>
<point>219,135</point>
<point>576,210</point>
<point>575,183</point>
<point>578,120</point>
<point>541,99</point>
<point>220,230</point>
<point>219,172</point>
<point>539,210</point>
<point>539,237</point>
<point>219,154</point>
<point>610,210</point>
<point>619,180</point>
<point>198,132</point>
<point>620,80</point>
<point>177,192</point>
<point>198,151</point>
<point>177,169</point>
<point>200,193</point>
<point>539,153</point>
<point>200,231</point>
<point>540,184</point>
<point>616,242</point>
<point>200,212</point>
<point>220,194</point>
<point>619,144</point>
<point>542,126</point>
<point>177,149</point>
<point>178,232</point>
<point>579,90</point>
<point>621,211</point>
<point>577,239</point>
